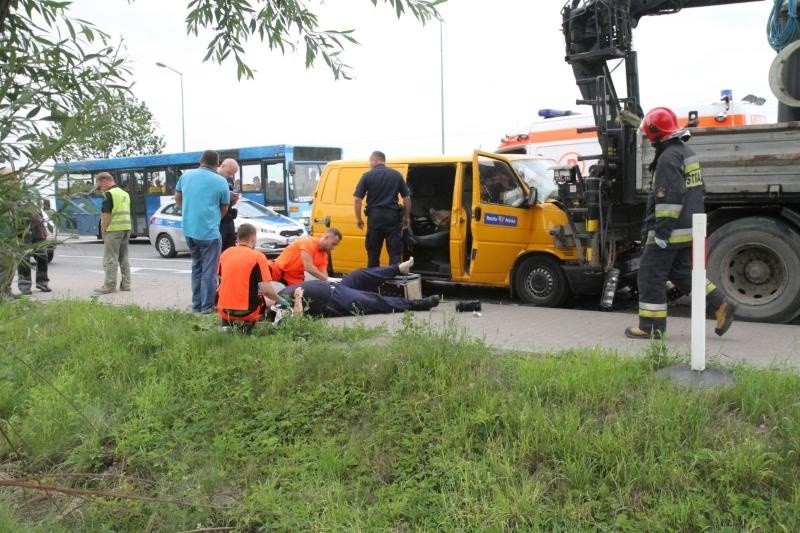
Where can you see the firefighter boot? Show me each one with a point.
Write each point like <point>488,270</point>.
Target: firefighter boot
<point>425,303</point>
<point>724,316</point>
<point>639,333</point>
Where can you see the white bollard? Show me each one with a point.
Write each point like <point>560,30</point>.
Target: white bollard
<point>699,292</point>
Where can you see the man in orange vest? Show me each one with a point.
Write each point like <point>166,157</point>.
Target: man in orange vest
<point>244,282</point>
<point>307,254</point>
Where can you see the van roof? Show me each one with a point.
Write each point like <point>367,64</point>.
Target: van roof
<point>432,159</point>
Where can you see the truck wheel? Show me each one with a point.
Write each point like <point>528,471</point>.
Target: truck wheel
<point>165,246</point>
<point>755,261</point>
<point>539,280</point>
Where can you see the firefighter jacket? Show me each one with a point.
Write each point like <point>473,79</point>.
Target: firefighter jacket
<point>678,193</point>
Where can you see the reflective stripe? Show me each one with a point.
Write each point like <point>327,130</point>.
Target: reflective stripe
<point>678,236</point>
<point>668,210</point>
<point>652,307</point>
<point>691,167</point>
<point>710,287</point>
<point>652,314</point>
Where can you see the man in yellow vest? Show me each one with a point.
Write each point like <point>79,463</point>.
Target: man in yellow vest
<point>116,228</point>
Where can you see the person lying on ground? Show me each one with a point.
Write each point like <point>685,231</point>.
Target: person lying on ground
<point>357,294</point>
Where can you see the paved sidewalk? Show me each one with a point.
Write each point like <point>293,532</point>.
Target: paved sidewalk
<point>533,329</point>
<point>510,326</point>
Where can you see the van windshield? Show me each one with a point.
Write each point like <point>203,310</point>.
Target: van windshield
<point>537,173</point>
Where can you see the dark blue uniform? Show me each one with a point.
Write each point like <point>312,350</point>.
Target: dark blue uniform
<point>356,294</point>
<point>381,185</point>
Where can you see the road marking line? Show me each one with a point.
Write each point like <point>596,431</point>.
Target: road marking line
<point>130,258</point>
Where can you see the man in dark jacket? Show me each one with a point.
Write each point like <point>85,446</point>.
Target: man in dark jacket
<point>677,194</point>
<point>35,235</point>
<point>386,219</point>
<point>227,227</point>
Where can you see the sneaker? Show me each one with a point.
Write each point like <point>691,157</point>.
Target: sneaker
<point>126,289</point>
<point>26,291</point>
<point>208,311</point>
<point>425,303</point>
<point>724,316</point>
<point>638,333</point>
<point>43,287</point>
<point>104,290</point>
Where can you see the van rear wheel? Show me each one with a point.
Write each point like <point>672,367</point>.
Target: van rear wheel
<point>539,280</point>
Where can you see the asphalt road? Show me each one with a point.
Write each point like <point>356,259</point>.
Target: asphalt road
<point>503,324</point>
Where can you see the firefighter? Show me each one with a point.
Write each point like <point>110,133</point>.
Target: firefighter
<point>677,193</point>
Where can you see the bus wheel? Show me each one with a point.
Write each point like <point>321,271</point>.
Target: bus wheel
<point>539,280</point>
<point>755,261</point>
<point>165,246</point>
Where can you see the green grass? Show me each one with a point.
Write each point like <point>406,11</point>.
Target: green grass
<point>309,427</point>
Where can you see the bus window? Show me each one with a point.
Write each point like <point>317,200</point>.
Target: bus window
<point>304,181</point>
<point>251,177</point>
<point>155,180</point>
<point>77,184</point>
<point>276,187</point>
<point>171,177</point>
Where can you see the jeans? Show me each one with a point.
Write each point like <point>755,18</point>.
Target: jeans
<point>205,261</point>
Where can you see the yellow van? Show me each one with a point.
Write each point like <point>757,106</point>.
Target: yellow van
<point>491,227</point>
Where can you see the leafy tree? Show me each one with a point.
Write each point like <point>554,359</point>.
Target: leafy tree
<point>281,25</point>
<point>123,128</point>
<point>53,71</point>
<point>56,70</point>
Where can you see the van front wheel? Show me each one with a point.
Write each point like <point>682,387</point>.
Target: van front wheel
<point>540,281</point>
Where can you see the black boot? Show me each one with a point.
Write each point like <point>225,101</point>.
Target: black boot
<point>425,303</point>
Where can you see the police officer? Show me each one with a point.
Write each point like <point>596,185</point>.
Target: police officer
<point>227,227</point>
<point>677,193</point>
<point>386,218</point>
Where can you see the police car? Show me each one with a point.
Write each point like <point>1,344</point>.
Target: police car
<point>275,231</point>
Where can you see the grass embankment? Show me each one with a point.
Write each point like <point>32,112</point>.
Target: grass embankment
<point>318,428</point>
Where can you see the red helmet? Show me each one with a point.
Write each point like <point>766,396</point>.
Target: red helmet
<point>660,124</point>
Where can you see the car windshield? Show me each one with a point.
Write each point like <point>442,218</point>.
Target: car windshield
<point>537,173</point>
<point>249,209</point>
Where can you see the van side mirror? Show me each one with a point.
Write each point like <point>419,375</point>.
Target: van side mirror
<point>533,195</point>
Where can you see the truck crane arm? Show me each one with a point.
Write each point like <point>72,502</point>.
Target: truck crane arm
<point>598,31</point>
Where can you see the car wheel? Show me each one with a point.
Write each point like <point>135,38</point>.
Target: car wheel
<point>165,246</point>
<point>539,280</point>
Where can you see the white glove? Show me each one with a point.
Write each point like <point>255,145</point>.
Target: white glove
<point>661,243</point>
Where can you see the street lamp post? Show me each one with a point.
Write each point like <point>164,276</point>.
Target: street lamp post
<point>441,76</point>
<point>183,123</point>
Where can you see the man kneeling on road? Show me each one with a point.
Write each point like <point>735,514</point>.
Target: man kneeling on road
<point>356,294</point>
<point>307,254</point>
<point>244,281</point>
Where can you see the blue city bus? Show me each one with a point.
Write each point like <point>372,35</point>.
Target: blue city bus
<point>282,177</point>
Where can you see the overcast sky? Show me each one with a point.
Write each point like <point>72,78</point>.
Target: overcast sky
<point>503,60</point>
